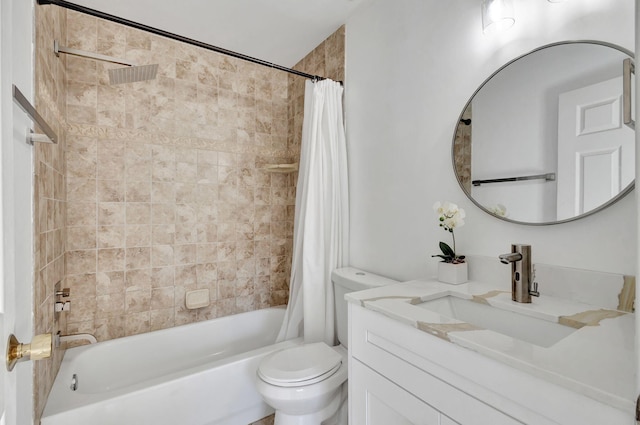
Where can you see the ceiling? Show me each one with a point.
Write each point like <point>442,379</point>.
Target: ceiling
<point>277,31</point>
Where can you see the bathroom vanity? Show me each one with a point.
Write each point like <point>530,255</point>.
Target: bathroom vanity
<point>424,352</point>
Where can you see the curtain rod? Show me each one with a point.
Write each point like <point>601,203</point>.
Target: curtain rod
<point>117,19</point>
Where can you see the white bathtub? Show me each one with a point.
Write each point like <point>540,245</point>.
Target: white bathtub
<point>195,374</point>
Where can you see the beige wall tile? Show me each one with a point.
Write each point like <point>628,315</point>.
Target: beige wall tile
<point>80,165</point>
<point>109,283</point>
<point>110,327</point>
<point>162,298</point>
<point>81,213</point>
<point>138,279</point>
<point>162,255</point>
<point>186,233</point>
<point>111,259</point>
<point>185,254</point>
<point>138,258</point>
<point>165,186</point>
<point>82,237</point>
<point>111,190</point>
<point>138,213</point>
<point>82,285</point>
<point>163,213</point>
<point>207,274</point>
<point>137,323</point>
<point>111,213</point>
<point>137,301</point>
<point>138,235</point>
<point>110,304</point>
<point>83,309</point>
<point>162,277</point>
<point>162,319</point>
<point>111,236</point>
<point>163,234</point>
<point>186,275</point>
<point>81,261</point>
<point>138,191</point>
<point>81,190</point>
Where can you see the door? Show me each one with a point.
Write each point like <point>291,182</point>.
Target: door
<point>16,177</point>
<point>595,150</point>
<point>637,303</point>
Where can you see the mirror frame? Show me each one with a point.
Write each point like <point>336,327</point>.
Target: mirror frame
<point>612,201</point>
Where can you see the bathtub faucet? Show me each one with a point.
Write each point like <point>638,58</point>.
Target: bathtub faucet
<point>75,337</point>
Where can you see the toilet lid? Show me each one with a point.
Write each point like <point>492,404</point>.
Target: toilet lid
<point>302,365</point>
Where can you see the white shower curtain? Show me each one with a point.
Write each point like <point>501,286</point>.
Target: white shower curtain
<point>321,226</point>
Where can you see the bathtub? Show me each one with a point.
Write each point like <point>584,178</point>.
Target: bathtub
<point>197,374</point>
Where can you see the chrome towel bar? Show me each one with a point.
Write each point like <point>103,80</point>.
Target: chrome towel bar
<point>49,135</point>
<point>546,176</point>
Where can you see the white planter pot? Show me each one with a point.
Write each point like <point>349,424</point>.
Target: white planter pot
<point>452,273</point>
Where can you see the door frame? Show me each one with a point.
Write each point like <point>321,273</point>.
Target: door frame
<point>16,159</point>
<point>637,197</point>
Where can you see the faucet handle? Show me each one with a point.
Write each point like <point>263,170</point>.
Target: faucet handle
<point>535,292</point>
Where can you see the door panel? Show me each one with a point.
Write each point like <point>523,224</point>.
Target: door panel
<point>595,150</point>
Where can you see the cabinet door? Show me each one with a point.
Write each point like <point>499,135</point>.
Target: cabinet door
<point>378,401</point>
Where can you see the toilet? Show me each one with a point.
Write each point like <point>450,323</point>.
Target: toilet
<point>307,384</point>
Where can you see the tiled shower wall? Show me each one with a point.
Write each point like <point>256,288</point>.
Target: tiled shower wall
<point>167,190</point>
<point>49,194</point>
<point>326,60</point>
<point>462,150</point>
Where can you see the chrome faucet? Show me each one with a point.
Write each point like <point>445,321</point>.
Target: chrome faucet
<point>520,260</point>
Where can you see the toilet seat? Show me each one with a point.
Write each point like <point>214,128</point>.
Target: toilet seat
<point>298,366</point>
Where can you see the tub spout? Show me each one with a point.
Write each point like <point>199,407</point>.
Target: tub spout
<point>75,337</point>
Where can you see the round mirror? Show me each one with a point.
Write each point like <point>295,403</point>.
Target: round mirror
<point>548,138</point>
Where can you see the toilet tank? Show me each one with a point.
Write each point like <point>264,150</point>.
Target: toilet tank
<point>350,279</point>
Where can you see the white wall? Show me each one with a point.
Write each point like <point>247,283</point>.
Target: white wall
<point>411,67</point>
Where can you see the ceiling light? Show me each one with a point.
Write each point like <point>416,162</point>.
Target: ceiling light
<point>497,15</point>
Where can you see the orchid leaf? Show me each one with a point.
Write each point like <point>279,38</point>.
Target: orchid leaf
<point>447,251</point>
<point>444,258</point>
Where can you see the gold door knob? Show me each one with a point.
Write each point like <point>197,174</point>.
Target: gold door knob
<point>40,348</point>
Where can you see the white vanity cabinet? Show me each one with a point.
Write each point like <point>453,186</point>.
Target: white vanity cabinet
<point>401,375</point>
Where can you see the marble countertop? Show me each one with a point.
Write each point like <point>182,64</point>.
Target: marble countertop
<point>596,360</point>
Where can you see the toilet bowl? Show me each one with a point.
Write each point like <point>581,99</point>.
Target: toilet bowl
<point>307,384</point>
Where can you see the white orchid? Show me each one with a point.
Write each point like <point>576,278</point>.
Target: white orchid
<point>449,217</point>
<point>499,210</point>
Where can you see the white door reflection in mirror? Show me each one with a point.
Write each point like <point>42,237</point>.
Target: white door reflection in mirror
<point>595,151</point>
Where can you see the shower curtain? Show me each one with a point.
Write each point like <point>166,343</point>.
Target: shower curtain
<point>321,224</point>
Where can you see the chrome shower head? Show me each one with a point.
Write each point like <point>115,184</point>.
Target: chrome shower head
<point>132,74</point>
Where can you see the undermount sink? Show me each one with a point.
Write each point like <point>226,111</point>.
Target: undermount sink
<point>519,326</point>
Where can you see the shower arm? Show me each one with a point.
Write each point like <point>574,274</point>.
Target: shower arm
<point>57,49</point>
